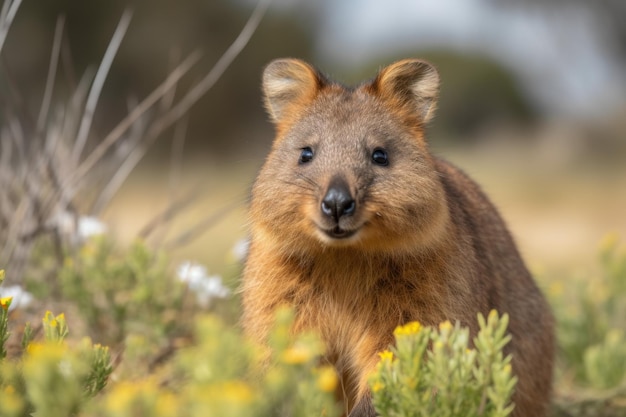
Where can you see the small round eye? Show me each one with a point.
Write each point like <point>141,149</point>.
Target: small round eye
<point>379,156</point>
<point>306,155</point>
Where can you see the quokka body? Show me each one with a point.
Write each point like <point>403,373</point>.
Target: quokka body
<point>359,228</point>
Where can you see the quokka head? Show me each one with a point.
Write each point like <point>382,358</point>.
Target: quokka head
<point>349,167</point>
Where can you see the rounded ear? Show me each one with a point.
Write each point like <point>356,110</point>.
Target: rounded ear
<point>412,83</point>
<point>288,86</point>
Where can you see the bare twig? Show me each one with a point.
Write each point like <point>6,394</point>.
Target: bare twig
<point>175,113</point>
<point>52,71</point>
<point>9,10</point>
<point>202,226</point>
<point>45,161</point>
<point>187,101</point>
<point>118,132</point>
<point>167,101</point>
<point>98,82</point>
<point>122,171</point>
<point>216,72</point>
<point>171,211</point>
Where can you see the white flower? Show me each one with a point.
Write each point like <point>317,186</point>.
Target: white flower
<point>21,298</point>
<point>90,226</point>
<point>207,287</point>
<point>79,228</point>
<point>240,249</point>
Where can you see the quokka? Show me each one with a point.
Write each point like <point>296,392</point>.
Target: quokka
<point>359,228</point>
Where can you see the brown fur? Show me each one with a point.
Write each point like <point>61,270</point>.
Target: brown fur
<point>428,244</point>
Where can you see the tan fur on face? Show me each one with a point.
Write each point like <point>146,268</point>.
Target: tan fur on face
<point>427,243</point>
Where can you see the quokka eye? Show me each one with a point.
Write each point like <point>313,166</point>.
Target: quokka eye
<point>306,155</point>
<point>379,156</point>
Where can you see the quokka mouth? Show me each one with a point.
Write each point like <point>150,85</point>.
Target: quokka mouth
<point>339,233</point>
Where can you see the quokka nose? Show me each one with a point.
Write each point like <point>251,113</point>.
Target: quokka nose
<point>338,201</point>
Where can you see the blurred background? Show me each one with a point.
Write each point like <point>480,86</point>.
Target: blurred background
<point>533,106</point>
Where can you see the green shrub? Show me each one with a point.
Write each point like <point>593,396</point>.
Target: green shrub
<point>590,311</point>
<point>211,370</point>
<point>450,379</point>
<point>221,375</point>
<point>51,377</point>
<point>175,361</point>
<point>125,292</point>
<point>591,323</point>
<point>605,362</point>
<point>217,374</point>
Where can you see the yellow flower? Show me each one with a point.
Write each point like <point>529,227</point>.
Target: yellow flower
<point>445,326</point>
<point>5,303</point>
<point>33,347</point>
<point>493,314</point>
<point>122,396</point>
<point>48,317</point>
<point>377,386</point>
<point>386,355</point>
<point>327,379</point>
<point>235,391</point>
<point>48,351</point>
<point>1,275</point>
<point>408,329</point>
<point>167,404</point>
<point>297,354</point>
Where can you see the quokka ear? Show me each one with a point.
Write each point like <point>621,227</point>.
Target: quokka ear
<point>412,83</point>
<point>288,86</point>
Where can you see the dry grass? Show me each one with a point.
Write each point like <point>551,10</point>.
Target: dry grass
<point>50,176</point>
<point>557,212</point>
<point>220,192</point>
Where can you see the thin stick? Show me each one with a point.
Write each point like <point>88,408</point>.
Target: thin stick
<point>5,10</point>
<point>183,106</point>
<point>216,72</point>
<point>128,121</point>
<point>52,72</point>
<point>174,208</point>
<point>202,226</point>
<point>122,172</point>
<point>98,82</point>
<point>176,168</point>
<point>6,18</point>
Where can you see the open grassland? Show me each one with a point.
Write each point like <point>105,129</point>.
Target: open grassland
<point>558,210</point>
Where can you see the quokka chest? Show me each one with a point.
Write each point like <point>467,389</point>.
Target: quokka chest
<point>352,302</point>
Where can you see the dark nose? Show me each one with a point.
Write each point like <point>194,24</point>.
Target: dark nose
<point>338,201</point>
